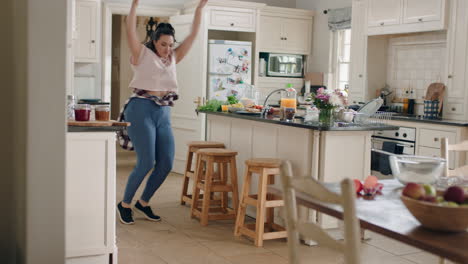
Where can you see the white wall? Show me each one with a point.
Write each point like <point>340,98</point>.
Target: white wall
<point>33,149</point>
<point>318,62</point>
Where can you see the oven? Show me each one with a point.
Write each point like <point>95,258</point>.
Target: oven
<point>404,137</point>
<point>401,141</point>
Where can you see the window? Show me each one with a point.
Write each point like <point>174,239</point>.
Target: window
<point>341,58</point>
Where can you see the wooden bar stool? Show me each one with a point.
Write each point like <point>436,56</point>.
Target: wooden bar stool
<point>267,169</point>
<point>193,146</point>
<point>204,181</point>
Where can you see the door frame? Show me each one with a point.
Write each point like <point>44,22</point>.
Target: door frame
<point>108,10</point>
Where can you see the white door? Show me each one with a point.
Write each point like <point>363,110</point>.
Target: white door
<point>270,34</point>
<point>416,11</point>
<point>383,12</point>
<point>191,77</point>
<point>297,35</point>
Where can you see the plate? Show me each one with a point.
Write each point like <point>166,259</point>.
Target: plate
<point>248,113</point>
<point>368,109</point>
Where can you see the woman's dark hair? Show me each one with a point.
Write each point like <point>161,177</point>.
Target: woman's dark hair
<point>161,29</point>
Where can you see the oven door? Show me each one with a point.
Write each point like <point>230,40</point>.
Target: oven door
<point>408,147</point>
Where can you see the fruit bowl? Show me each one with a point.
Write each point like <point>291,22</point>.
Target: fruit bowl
<point>437,217</point>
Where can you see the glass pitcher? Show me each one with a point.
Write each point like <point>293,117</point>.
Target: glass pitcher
<point>288,103</point>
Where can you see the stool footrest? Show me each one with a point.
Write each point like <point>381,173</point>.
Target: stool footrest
<point>188,198</point>
<point>253,199</point>
<point>249,230</point>
<point>216,187</point>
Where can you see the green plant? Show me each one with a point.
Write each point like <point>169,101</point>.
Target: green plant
<point>231,99</point>
<point>212,105</point>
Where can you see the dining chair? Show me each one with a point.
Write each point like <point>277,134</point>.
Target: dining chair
<point>310,230</point>
<point>445,148</point>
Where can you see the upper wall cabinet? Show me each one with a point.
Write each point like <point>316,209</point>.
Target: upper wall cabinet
<point>383,13</point>
<point>405,16</point>
<point>285,30</point>
<point>358,64</point>
<point>232,19</point>
<point>87,24</point>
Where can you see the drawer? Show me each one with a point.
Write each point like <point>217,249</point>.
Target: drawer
<point>431,138</point>
<point>435,152</point>
<point>454,109</point>
<point>236,20</point>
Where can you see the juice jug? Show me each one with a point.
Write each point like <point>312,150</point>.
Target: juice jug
<point>288,103</point>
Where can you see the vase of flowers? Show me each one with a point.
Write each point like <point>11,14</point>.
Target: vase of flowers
<point>326,101</point>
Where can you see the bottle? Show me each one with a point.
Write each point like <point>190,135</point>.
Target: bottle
<point>288,103</point>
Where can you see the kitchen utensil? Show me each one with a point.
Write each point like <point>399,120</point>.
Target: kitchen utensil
<point>437,217</point>
<point>418,169</point>
<point>368,109</point>
<point>435,92</point>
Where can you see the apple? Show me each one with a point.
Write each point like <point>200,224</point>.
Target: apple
<point>430,190</point>
<point>454,194</point>
<point>357,185</point>
<point>440,199</point>
<point>450,204</point>
<point>414,190</point>
<point>429,198</point>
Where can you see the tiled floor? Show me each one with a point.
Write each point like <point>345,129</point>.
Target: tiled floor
<point>178,239</point>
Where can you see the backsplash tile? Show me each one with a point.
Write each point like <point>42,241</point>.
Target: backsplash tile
<point>415,61</point>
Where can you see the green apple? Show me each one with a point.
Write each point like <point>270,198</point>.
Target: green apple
<point>430,190</point>
<point>450,204</point>
<point>439,199</point>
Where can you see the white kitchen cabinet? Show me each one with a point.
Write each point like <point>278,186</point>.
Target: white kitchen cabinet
<point>383,13</point>
<point>416,11</point>
<point>285,30</point>
<point>358,72</point>
<point>87,25</point>
<point>405,16</point>
<point>457,70</point>
<point>90,198</point>
<point>232,19</point>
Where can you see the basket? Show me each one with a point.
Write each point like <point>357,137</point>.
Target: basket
<point>376,118</point>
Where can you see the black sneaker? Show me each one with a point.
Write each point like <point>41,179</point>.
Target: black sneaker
<point>147,212</point>
<point>125,215</point>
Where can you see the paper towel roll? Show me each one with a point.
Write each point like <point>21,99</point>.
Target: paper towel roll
<point>262,66</point>
<point>307,87</point>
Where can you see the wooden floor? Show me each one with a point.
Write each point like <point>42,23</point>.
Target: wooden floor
<point>180,239</point>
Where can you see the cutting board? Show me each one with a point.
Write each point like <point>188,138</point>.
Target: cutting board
<point>97,123</point>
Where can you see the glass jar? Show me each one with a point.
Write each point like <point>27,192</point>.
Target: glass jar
<point>82,112</point>
<point>288,100</point>
<point>71,101</point>
<point>102,112</point>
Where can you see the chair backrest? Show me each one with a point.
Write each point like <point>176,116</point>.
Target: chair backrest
<point>313,231</point>
<point>445,148</point>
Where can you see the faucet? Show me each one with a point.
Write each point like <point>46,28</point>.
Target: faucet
<point>265,106</point>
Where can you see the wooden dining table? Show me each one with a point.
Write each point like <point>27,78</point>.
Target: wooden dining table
<point>386,215</point>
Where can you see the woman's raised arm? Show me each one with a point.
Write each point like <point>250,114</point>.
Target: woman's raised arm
<point>132,37</point>
<point>183,49</point>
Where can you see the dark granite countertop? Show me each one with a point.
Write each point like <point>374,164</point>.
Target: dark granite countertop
<point>299,122</point>
<point>413,118</point>
<point>94,129</point>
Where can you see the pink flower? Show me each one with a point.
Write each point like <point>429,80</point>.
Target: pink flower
<point>321,90</point>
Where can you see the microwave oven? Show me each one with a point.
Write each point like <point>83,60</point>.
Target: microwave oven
<point>285,65</point>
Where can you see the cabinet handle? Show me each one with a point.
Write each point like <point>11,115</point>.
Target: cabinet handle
<point>420,20</point>
<point>450,76</point>
<point>232,24</point>
<point>93,41</point>
<point>436,139</point>
<point>360,75</point>
<point>382,23</point>
<point>285,38</point>
<point>454,109</point>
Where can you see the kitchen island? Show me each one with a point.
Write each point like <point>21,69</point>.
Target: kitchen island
<point>90,193</point>
<point>328,154</point>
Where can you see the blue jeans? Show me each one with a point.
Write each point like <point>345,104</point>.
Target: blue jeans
<point>151,134</point>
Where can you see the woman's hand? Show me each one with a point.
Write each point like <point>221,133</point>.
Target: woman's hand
<point>201,4</point>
